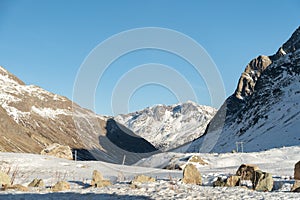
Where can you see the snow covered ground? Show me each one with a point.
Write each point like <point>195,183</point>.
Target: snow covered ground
<point>279,162</point>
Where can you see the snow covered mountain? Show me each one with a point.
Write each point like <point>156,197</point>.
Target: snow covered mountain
<point>32,118</point>
<point>167,127</point>
<point>264,112</point>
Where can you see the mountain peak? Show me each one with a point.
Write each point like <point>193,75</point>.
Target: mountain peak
<point>254,69</point>
<point>169,126</point>
<point>8,78</point>
<point>269,117</point>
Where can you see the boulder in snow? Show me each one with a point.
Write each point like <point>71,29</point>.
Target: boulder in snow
<point>262,181</point>
<point>17,187</point>
<point>4,179</point>
<point>142,179</point>
<point>98,181</point>
<point>59,151</point>
<point>197,159</point>
<point>297,171</point>
<point>296,186</point>
<point>191,175</point>
<point>36,183</point>
<point>61,186</point>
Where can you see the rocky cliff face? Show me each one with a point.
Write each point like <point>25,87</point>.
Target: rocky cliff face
<point>264,112</point>
<point>168,127</point>
<point>33,118</point>
<point>250,76</point>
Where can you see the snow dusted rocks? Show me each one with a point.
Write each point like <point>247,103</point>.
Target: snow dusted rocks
<point>98,181</point>
<point>61,186</point>
<point>191,175</point>
<point>197,159</point>
<point>262,181</point>
<point>142,179</point>
<point>59,151</point>
<point>37,183</point>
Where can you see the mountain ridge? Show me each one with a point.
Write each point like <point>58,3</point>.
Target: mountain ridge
<point>169,126</point>
<point>262,118</point>
<point>34,116</point>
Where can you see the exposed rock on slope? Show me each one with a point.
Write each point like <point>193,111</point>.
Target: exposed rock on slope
<point>264,111</point>
<point>33,118</point>
<point>250,76</point>
<point>168,127</point>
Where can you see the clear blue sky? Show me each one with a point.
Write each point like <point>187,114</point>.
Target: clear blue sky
<point>45,42</point>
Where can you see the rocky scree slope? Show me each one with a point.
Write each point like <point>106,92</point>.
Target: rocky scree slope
<point>33,118</point>
<point>264,112</point>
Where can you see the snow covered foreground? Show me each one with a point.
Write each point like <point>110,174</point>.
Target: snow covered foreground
<point>279,162</point>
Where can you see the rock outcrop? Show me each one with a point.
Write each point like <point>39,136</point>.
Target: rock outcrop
<point>59,151</point>
<point>250,76</point>
<point>191,175</point>
<point>264,106</point>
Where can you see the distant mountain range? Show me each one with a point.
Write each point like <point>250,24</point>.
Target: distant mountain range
<point>167,127</point>
<point>264,111</point>
<point>33,118</point>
